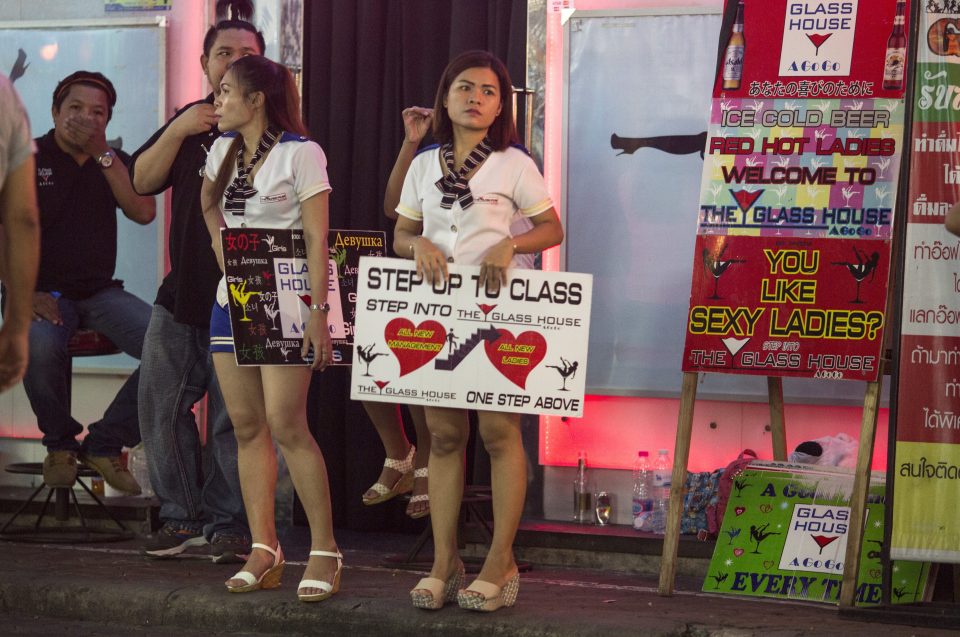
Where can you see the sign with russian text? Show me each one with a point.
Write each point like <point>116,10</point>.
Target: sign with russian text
<point>927,451</point>
<point>269,292</point>
<point>452,343</point>
<point>785,532</point>
<point>805,49</point>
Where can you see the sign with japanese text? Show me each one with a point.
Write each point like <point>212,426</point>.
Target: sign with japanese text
<point>805,49</point>
<point>927,451</point>
<point>785,532</point>
<point>522,348</point>
<point>269,292</point>
<point>798,191</point>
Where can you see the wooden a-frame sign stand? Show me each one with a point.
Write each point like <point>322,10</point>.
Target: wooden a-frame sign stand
<point>858,497</point>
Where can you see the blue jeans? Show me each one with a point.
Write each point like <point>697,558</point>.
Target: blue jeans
<point>121,317</point>
<point>197,490</point>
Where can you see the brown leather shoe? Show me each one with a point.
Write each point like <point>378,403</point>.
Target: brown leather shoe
<point>114,473</point>
<point>60,469</point>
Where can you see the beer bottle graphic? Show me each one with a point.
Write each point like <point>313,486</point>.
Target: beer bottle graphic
<point>733,56</point>
<point>896,56</point>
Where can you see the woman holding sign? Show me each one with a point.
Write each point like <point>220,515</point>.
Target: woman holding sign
<point>457,205</point>
<point>268,175</point>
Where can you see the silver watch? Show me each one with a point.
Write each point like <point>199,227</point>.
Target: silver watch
<point>106,159</point>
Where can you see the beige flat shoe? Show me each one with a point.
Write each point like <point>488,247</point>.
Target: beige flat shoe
<point>431,593</point>
<point>484,596</point>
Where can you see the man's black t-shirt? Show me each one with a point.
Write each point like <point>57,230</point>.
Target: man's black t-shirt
<point>188,291</point>
<point>78,223</point>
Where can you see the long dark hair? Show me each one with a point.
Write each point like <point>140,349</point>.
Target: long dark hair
<point>503,131</point>
<point>252,74</point>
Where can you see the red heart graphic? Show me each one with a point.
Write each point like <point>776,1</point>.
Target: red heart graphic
<point>739,511</point>
<point>738,552</point>
<point>306,299</point>
<point>485,308</point>
<point>413,346</point>
<point>818,38</point>
<point>746,199</point>
<point>516,357</point>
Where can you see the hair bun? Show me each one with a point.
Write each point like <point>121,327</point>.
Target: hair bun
<point>234,10</point>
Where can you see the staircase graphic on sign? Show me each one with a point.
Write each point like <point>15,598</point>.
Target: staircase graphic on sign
<point>483,334</point>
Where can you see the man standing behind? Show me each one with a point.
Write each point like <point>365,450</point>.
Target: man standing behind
<point>200,501</point>
<point>80,183</point>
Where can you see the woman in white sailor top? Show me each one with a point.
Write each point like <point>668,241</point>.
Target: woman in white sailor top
<point>457,205</point>
<point>267,174</point>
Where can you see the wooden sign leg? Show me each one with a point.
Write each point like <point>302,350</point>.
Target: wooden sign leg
<point>671,538</point>
<point>858,496</point>
<point>777,427</point>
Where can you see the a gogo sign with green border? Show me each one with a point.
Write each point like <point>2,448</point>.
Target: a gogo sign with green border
<point>784,535</point>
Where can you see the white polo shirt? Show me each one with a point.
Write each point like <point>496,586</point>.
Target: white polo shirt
<point>294,170</point>
<point>508,182</point>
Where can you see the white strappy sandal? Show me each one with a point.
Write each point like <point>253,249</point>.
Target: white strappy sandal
<point>403,484</point>
<point>327,588</point>
<point>422,497</point>
<point>270,577</point>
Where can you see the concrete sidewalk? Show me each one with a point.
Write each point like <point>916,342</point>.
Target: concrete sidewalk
<point>113,584</point>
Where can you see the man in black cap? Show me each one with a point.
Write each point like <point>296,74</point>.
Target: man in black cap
<point>81,182</point>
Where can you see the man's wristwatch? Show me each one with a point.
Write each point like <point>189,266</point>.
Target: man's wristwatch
<point>106,159</point>
<point>322,307</point>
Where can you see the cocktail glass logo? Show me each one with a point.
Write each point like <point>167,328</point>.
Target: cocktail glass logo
<point>818,38</point>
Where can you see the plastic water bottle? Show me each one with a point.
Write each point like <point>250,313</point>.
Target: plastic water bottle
<point>642,490</point>
<point>662,478</point>
<point>137,466</point>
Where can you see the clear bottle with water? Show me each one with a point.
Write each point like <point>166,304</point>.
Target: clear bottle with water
<point>662,478</point>
<point>137,466</point>
<point>642,490</point>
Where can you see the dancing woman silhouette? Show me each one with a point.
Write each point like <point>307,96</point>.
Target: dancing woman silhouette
<point>568,370</point>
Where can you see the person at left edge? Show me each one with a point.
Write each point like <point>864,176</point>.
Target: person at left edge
<point>81,182</point>
<point>201,508</point>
